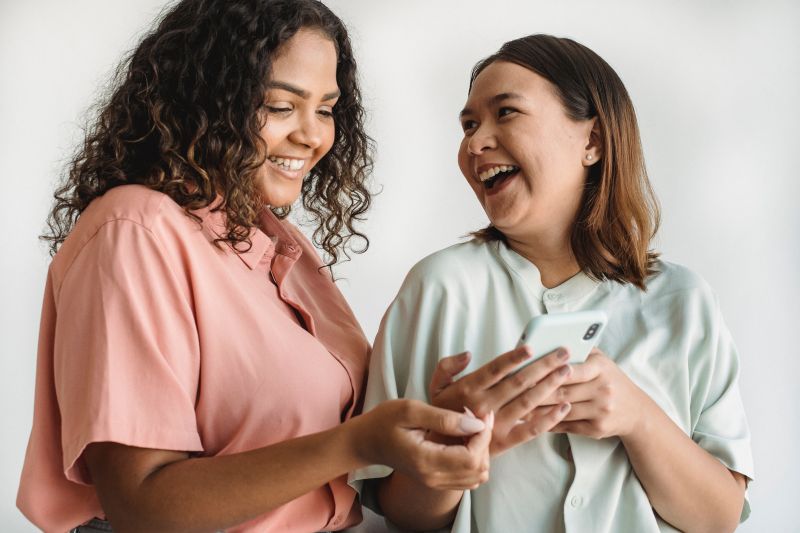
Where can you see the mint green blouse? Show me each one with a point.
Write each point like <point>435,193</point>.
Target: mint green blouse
<point>670,340</point>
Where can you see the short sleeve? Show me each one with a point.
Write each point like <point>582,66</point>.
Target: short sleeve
<point>720,425</point>
<point>126,352</point>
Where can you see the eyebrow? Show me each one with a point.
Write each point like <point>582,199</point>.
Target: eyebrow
<point>302,93</point>
<point>496,99</point>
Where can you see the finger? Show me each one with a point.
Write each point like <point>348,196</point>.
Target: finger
<point>578,427</point>
<point>513,385</point>
<point>534,397</point>
<point>537,425</point>
<point>446,370</point>
<point>579,392</point>
<point>480,442</point>
<point>498,368</point>
<point>442,421</point>
<point>584,411</point>
<point>583,372</point>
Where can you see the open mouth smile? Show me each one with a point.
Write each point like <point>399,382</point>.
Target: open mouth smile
<point>497,175</point>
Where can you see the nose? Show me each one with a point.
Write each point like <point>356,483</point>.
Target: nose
<point>482,139</point>
<point>307,131</point>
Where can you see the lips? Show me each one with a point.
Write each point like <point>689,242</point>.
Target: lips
<point>288,167</point>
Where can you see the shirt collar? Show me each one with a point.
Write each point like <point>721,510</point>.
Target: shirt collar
<point>274,237</point>
<point>576,287</point>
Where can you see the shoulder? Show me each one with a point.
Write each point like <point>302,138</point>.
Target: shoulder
<point>139,209</point>
<point>454,264</point>
<point>672,279</point>
<point>679,294</point>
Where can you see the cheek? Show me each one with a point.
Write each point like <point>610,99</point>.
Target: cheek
<point>329,137</point>
<point>463,159</point>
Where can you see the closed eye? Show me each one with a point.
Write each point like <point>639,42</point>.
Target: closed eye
<point>505,111</point>
<point>277,110</point>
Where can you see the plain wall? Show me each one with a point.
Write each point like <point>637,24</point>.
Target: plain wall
<point>715,85</point>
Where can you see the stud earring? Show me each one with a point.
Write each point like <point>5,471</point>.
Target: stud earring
<point>588,157</point>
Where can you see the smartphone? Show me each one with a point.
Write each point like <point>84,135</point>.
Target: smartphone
<point>578,332</point>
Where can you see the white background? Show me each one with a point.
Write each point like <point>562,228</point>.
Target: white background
<point>715,85</point>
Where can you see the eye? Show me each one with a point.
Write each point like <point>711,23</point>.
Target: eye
<point>505,111</point>
<point>468,125</point>
<point>325,112</point>
<point>277,109</point>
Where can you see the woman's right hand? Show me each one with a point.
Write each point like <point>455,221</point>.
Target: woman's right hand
<point>397,433</point>
<point>513,397</point>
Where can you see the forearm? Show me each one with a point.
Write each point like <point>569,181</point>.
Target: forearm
<point>214,493</point>
<point>413,506</point>
<point>687,486</point>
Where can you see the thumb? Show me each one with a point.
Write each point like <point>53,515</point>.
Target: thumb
<point>444,421</point>
<point>446,370</point>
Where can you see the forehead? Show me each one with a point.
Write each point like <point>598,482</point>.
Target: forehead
<point>502,77</point>
<point>308,58</point>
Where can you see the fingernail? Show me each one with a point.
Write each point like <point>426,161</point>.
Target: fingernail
<point>564,408</point>
<point>564,370</point>
<point>468,412</point>
<point>463,356</point>
<point>563,353</point>
<point>470,424</point>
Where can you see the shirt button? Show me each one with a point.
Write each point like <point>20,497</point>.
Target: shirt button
<point>552,296</point>
<point>576,501</point>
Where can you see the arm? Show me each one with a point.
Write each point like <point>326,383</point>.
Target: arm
<point>687,486</point>
<point>693,491</point>
<point>147,490</point>
<point>493,388</point>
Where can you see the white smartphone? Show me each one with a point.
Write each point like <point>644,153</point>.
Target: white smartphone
<point>578,332</point>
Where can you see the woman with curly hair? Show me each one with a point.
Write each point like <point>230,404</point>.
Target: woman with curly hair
<point>198,369</point>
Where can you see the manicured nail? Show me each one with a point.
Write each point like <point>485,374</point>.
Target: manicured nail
<point>468,412</point>
<point>564,370</point>
<point>563,353</point>
<point>564,408</point>
<point>470,424</point>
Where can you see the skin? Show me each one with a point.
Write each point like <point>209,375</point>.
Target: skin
<point>535,210</point>
<point>299,113</point>
<point>163,490</point>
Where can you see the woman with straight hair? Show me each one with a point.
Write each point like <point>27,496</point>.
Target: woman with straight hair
<point>649,433</point>
<point>198,369</point>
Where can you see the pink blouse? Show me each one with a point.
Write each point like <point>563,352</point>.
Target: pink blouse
<point>151,336</point>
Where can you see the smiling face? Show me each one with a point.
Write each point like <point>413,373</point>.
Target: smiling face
<point>299,129</point>
<point>526,160</point>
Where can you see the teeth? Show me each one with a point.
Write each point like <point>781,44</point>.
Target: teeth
<point>288,164</point>
<point>494,171</point>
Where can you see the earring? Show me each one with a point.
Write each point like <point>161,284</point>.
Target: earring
<point>588,157</point>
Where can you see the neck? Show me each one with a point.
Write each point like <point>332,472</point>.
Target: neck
<point>552,255</point>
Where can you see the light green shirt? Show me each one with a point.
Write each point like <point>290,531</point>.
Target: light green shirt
<point>670,340</point>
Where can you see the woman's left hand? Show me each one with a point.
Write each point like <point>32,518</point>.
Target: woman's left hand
<point>605,402</point>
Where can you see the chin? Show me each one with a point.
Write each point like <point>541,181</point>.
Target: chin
<point>279,198</point>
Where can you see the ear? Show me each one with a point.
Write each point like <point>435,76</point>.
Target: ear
<point>593,151</point>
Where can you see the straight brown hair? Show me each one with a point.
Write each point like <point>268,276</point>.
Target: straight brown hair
<point>619,212</point>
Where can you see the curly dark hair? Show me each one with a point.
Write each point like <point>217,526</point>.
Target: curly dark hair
<point>184,114</point>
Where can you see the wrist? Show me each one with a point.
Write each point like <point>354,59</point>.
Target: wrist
<point>642,426</point>
<point>356,446</point>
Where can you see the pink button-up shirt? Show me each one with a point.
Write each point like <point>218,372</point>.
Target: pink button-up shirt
<point>151,336</point>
